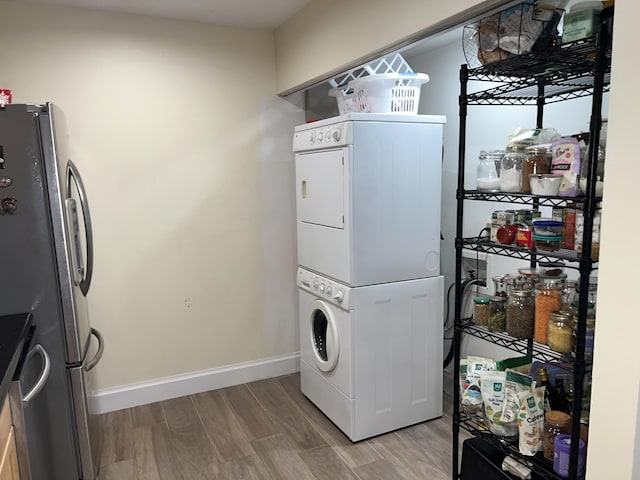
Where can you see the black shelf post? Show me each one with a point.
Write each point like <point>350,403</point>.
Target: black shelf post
<point>457,332</point>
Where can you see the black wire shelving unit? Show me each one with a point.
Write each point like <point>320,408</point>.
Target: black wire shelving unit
<point>555,74</point>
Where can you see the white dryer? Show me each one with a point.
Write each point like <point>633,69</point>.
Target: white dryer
<point>368,197</point>
<point>371,357</point>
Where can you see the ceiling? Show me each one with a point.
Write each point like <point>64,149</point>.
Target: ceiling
<point>267,14</point>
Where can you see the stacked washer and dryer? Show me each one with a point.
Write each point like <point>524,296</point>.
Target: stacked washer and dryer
<point>371,295</point>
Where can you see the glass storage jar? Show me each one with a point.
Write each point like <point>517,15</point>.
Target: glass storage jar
<point>519,314</point>
<point>560,334</point>
<point>481,311</point>
<point>537,160</point>
<point>488,179</point>
<point>589,334</point>
<point>548,299</point>
<point>497,314</point>
<point>555,423</point>
<point>511,169</point>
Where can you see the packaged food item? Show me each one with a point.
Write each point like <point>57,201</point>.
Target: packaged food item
<point>520,364</point>
<point>492,386</point>
<point>565,160</point>
<point>530,420</point>
<point>515,382</point>
<point>472,396</point>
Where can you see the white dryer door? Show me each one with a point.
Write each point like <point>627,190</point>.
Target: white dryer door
<point>324,339</point>
<point>319,188</point>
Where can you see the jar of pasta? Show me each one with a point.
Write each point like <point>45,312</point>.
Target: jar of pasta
<point>560,331</point>
<point>548,299</point>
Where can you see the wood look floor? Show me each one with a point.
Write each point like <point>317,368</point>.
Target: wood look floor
<point>262,430</point>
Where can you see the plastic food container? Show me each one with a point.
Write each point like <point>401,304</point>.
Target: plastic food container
<point>549,243</point>
<point>546,226</point>
<point>582,21</point>
<point>545,184</point>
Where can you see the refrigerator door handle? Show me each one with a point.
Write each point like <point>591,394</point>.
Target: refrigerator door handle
<point>44,376</point>
<point>73,174</point>
<point>96,358</point>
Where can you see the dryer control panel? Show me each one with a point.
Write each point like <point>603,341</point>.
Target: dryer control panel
<point>310,137</point>
<point>325,288</point>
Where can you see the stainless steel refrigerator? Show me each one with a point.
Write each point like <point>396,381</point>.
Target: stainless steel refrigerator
<point>46,264</point>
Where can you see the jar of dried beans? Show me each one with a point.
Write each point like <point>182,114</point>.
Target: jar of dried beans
<point>497,315</point>
<point>481,311</point>
<point>520,314</point>
<point>548,299</point>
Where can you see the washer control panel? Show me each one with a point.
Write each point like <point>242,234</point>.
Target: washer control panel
<point>325,288</point>
<point>310,137</point>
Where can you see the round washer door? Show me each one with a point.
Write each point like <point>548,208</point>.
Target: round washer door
<point>325,343</point>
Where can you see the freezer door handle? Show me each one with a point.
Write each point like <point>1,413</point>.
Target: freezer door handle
<point>73,174</point>
<point>96,358</point>
<point>44,376</point>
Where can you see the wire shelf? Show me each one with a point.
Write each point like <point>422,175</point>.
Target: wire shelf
<point>540,466</point>
<point>554,74</point>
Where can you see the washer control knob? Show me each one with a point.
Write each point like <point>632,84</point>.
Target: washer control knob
<point>322,288</point>
<point>337,135</point>
<point>329,290</point>
<point>312,138</point>
<point>339,296</point>
<point>315,284</point>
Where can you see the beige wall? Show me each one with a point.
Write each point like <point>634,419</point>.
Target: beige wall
<point>327,35</point>
<point>178,134</point>
<point>615,421</point>
<point>314,43</point>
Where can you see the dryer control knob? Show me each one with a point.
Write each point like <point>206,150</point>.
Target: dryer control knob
<point>337,134</point>
<point>329,291</point>
<point>315,284</point>
<point>322,288</point>
<point>339,296</point>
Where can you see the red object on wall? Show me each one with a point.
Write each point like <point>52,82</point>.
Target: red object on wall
<point>5,97</point>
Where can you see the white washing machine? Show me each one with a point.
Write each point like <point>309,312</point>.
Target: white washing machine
<point>368,197</point>
<point>371,357</point>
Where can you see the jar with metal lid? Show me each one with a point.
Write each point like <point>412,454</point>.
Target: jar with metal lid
<point>548,299</point>
<point>537,160</point>
<point>481,311</point>
<point>560,334</point>
<point>555,423</point>
<point>511,169</point>
<point>519,314</point>
<point>488,179</point>
<point>497,314</point>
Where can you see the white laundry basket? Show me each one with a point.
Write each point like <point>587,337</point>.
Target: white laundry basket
<point>388,92</point>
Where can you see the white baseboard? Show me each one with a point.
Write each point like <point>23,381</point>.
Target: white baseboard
<point>109,400</point>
